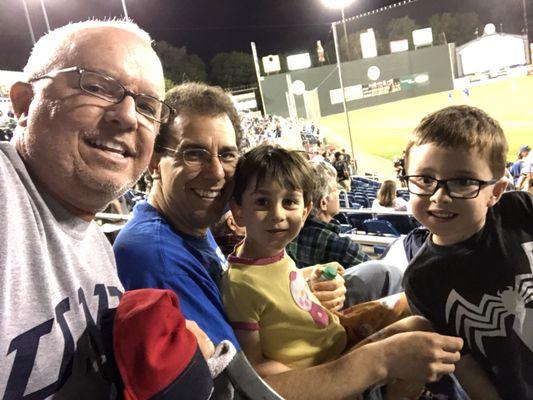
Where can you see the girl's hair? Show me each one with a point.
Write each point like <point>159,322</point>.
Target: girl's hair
<point>387,194</point>
<point>288,168</point>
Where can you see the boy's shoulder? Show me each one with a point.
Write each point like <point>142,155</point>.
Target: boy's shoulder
<point>514,205</point>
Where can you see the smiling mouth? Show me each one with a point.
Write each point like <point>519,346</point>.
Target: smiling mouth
<point>277,230</point>
<point>442,215</point>
<point>109,146</point>
<point>208,194</point>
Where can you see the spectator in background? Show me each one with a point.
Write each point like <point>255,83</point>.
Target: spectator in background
<point>387,200</point>
<point>399,167</point>
<point>516,169</point>
<point>510,186</point>
<point>343,172</point>
<point>526,172</point>
<point>227,233</point>
<point>319,242</point>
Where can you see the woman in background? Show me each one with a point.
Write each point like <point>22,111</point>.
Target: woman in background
<point>387,199</point>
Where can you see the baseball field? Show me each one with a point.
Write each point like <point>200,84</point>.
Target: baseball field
<point>379,133</point>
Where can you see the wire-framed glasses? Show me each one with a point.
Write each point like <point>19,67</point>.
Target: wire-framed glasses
<point>109,89</point>
<point>198,157</point>
<point>456,188</point>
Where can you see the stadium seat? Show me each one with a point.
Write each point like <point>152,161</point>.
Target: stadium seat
<point>402,223</point>
<point>380,227</point>
<point>344,227</point>
<point>356,221</point>
<point>363,200</point>
<point>341,218</point>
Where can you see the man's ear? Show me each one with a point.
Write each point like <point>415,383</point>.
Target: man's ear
<point>307,210</point>
<point>153,166</point>
<point>323,206</point>
<point>236,212</point>
<point>497,191</point>
<point>21,94</point>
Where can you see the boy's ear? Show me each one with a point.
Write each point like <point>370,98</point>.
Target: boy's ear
<point>236,212</point>
<point>153,166</point>
<point>21,94</point>
<point>498,191</point>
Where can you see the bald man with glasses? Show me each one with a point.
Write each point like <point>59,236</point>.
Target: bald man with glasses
<point>88,114</point>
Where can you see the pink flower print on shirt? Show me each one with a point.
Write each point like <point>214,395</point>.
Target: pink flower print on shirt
<point>302,296</point>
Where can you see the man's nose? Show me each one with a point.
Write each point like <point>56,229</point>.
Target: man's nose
<point>124,114</point>
<point>215,168</point>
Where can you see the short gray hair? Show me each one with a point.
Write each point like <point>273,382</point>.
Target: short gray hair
<point>51,48</point>
<point>325,177</point>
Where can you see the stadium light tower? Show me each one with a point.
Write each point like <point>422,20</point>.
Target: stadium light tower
<point>340,4</point>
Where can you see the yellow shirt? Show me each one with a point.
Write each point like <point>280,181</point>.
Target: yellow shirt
<point>271,295</point>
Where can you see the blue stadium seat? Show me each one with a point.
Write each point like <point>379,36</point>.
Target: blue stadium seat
<point>363,200</point>
<point>379,227</point>
<point>342,218</point>
<point>402,223</point>
<point>356,221</point>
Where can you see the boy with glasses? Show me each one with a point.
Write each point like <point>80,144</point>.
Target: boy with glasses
<point>473,277</point>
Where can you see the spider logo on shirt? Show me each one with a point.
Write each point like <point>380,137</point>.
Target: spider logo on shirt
<point>488,318</point>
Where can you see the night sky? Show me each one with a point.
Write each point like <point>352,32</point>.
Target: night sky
<point>207,27</point>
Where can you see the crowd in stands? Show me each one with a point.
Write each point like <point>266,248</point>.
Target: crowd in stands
<point>166,313</point>
<point>7,125</point>
<point>277,130</point>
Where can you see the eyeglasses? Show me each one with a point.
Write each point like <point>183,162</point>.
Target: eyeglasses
<point>457,188</point>
<point>109,89</point>
<point>198,157</point>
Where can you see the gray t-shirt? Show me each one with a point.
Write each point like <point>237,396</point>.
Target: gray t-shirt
<point>57,278</point>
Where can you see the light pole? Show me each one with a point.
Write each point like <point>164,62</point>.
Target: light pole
<point>526,31</point>
<point>28,20</point>
<point>341,4</point>
<point>125,9</point>
<point>45,16</point>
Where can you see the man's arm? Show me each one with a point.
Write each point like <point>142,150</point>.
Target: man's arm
<point>474,380</point>
<point>412,356</point>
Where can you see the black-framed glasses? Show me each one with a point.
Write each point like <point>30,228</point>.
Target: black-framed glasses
<point>109,89</point>
<point>456,188</point>
<point>198,157</point>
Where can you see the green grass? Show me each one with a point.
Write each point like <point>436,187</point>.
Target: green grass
<point>383,130</point>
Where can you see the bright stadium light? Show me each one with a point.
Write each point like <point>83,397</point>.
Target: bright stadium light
<point>337,3</point>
